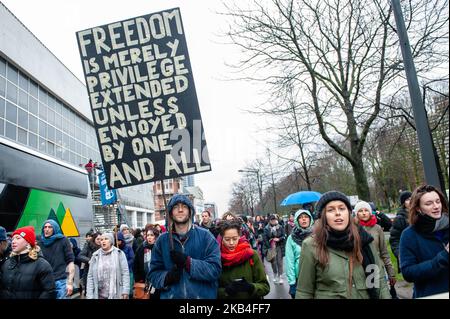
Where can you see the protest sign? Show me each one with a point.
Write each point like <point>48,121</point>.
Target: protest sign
<point>143,99</point>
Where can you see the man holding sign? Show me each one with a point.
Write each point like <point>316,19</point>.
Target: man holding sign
<point>188,265</point>
<point>143,99</point>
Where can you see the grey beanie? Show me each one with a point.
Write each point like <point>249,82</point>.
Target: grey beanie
<point>362,204</point>
<point>331,196</point>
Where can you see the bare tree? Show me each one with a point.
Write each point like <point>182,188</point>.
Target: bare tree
<point>342,54</point>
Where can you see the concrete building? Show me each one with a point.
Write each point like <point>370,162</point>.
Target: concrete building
<point>196,196</point>
<point>188,181</point>
<point>212,208</point>
<point>171,187</point>
<point>46,127</point>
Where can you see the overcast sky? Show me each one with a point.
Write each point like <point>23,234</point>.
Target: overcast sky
<point>231,133</point>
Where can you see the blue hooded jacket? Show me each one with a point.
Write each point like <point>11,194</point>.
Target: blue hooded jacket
<point>424,261</point>
<point>201,282</point>
<point>128,250</point>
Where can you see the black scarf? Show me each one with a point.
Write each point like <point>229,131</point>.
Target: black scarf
<point>343,240</point>
<point>340,240</point>
<point>426,224</point>
<point>148,246</point>
<point>299,234</point>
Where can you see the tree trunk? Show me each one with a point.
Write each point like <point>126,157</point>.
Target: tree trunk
<point>362,186</point>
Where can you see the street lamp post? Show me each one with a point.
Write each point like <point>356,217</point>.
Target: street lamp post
<point>255,171</point>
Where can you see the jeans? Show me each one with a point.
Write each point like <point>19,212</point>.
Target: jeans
<point>61,289</point>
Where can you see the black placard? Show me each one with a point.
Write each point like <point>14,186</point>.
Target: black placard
<point>143,99</point>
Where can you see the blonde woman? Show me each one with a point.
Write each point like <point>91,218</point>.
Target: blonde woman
<point>108,276</point>
<point>26,275</point>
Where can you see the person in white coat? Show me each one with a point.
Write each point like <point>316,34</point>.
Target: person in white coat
<point>108,276</point>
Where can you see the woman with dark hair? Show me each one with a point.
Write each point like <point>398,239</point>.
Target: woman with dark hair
<point>243,275</point>
<point>424,244</point>
<point>89,248</point>
<point>338,260</point>
<point>143,258</point>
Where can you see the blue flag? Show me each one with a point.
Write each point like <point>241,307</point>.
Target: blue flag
<point>108,196</point>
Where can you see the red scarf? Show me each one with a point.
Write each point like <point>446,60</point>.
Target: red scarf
<point>370,223</point>
<point>239,255</point>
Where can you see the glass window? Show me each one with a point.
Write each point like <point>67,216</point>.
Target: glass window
<point>59,107</point>
<point>50,116</point>
<point>33,106</point>
<point>2,107</point>
<point>72,144</point>
<point>11,92</point>
<point>12,74</point>
<point>51,133</point>
<point>10,130</point>
<point>66,155</point>
<point>50,148</point>
<point>42,129</point>
<point>23,81</point>
<point>32,140</point>
<point>78,147</point>
<point>2,86</point>
<point>2,126</point>
<point>42,111</point>
<point>42,144</point>
<point>65,140</point>
<point>23,99</point>
<point>51,102</point>
<point>72,158</point>
<point>22,136</point>
<point>58,120</point>
<point>59,153</point>
<point>11,112</point>
<point>43,97</point>
<point>58,137</point>
<point>23,118</point>
<point>33,89</point>
<point>33,124</point>
<point>2,67</point>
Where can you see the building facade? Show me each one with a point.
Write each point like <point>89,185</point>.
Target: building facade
<point>45,118</point>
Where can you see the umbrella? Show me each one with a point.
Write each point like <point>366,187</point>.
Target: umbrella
<point>302,197</point>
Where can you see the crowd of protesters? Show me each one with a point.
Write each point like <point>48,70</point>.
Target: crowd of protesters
<point>326,250</point>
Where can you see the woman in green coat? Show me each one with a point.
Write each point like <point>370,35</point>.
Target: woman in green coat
<point>338,260</point>
<point>243,275</point>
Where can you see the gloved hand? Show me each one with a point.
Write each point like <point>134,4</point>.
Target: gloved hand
<point>239,286</point>
<point>292,290</point>
<point>178,258</point>
<point>173,276</point>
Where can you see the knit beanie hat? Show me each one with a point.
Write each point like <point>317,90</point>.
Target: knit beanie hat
<point>404,196</point>
<point>362,204</point>
<point>123,226</point>
<point>331,196</point>
<point>27,233</point>
<point>110,236</point>
<point>2,234</point>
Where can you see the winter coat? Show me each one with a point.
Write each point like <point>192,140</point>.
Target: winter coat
<point>201,281</point>
<point>332,282</point>
<point>268,235</point>
<point>59,254</point>
<point>424,261</point>
<point>128,250</point>
<point>398,226</point>
<point>254,274</point>
<point>122,274</point>
<point>293,251</point>
<point>380,245</point>
<point>384,221</point>
<point>139,267</point>
<point>25,278</point>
